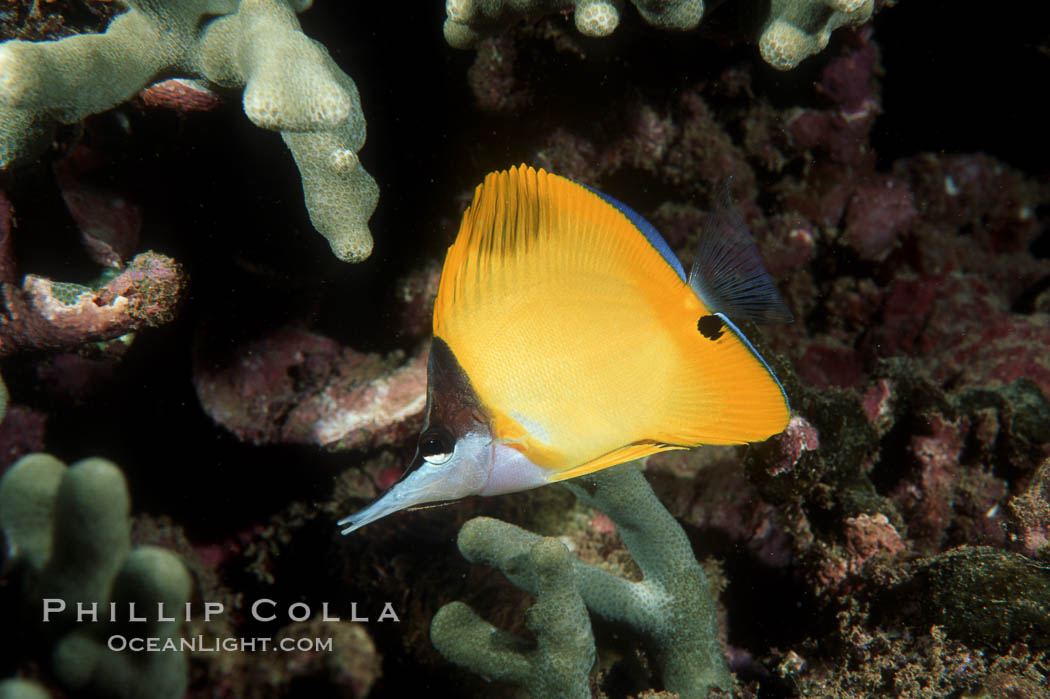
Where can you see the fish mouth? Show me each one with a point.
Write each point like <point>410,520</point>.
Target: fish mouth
<point>465,474</point>
<point>426,486</point>
<point>377,510</point>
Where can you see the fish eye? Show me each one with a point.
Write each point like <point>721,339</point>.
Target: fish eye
<point>436,446</point>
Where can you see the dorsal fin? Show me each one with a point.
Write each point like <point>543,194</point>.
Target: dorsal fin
<point>728,274</point>
<point>645,228</point>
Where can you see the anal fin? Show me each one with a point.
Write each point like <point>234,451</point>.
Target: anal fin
<point>624,454</point>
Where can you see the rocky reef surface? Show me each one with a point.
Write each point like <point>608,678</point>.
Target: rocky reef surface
<point>166,305</point>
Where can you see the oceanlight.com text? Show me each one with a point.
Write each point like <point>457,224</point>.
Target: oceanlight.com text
<point>200,644</point>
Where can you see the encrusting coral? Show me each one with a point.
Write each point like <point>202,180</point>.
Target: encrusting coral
<point>672,605</point>
<point>48,315</point>
<point>793,31</point>
<point>70,531</point>
<point>290,84</point>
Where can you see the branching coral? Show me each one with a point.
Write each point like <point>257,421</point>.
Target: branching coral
<point>290,85</point>
<point>794,29</point>
<point>70,530</point>
<point>797,29</point>
<point>470,20</point>
<point>559,665</point>
<point>17,688</point>
<point>672,606</point>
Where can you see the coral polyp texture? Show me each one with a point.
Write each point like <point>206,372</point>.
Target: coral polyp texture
<point>71,534</point>
<point>797,29</point>
<point>560,664</point>
<point>671,606</point>
<point>290,84</point>
<point>793,31</point>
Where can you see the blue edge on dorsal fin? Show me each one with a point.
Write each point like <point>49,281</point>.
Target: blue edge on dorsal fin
<point>660,245</point>
<point>647,229</point>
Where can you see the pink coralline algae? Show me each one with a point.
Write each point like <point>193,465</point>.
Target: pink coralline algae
<point>21,432</point>
<point>866,536</point>
<point>8,272</point>
<point>839,137</point>
<point>963,330</point>
<point>877,213</point>
<point>797,438</point>
<point>927,501</point>
<point>973,193</point>
<point>878,405</point>
<point>1031,515</point>
<point>686,147</point>
<point>828,363</point>
<point>47,315</point>
<point>947,501</point>
<point>841,131</point>
<point>710,493</point>
<point>847,80</point>
<point>294,386</point>
<point>788,245</point>
<point>492,80</point>
<point>180,95</point>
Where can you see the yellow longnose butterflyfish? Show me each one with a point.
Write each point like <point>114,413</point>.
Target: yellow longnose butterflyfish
<point>568,338</point>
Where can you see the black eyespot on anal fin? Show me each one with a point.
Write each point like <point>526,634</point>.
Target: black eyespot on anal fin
<point>710,327</point>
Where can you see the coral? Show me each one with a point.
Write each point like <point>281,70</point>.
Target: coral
<point>956,325</point>
<point>983,596</point>
<point>560,663</point>
<point>290,85</point>
<point>923,665</point>
<point>1031,511</point>
<point>294,386</point>
<point>71,533</point>
<point>16,688</point>
<point>794,30</point>
<point>917,366</point>
<point>47,315</point>
<point>797,29</point>
<point>348,670</point>
<point>469,20</point>
<point>55,18</point>
<point>672,605</point>
<point>877,212</point>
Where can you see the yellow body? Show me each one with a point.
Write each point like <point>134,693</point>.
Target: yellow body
<point>581,341</point>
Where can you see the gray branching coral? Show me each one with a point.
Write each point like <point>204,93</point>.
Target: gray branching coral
<point>793,31</point>
<point>672,605</point>
<point>69,528</point>
<point>560,664</point>
<point>290,84</point>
